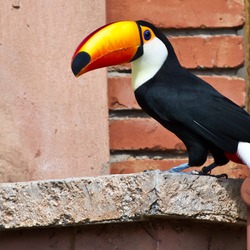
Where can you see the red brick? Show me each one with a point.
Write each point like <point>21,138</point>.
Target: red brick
<point>209,52</point>
<point>134,166</point>
<point>141,133</point>
<point>232,87</point>
<point>206,52</point>
<point>179,14</point>
<point>121,94</point>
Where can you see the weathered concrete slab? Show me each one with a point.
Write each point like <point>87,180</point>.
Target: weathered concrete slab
<point>120,198</point>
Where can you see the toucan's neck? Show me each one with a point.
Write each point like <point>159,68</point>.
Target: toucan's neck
<point>156,53</point>
<point>145,67</point>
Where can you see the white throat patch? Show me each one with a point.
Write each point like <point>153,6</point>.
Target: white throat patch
<point>145,67</point>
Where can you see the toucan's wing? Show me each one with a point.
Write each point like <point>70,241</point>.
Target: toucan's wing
<point>221,122</point>
<point>201,109</point>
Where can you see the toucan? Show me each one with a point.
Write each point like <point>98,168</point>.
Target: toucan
<point>200,116</point>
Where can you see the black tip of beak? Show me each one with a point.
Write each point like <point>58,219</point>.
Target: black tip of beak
<point>81,60</point>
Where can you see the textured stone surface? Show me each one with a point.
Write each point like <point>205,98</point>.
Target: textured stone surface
<point>120,198</point>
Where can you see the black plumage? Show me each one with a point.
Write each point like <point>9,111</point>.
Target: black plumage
<point>205,120</point>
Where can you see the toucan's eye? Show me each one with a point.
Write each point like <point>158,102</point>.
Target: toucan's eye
<point>147,34</point>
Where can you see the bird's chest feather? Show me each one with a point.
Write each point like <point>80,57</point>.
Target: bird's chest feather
<point>142,97</point>
<point>146,96</point>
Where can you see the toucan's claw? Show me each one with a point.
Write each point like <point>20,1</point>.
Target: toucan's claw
<point>206,171</point>
<point>222,176</point>
<point>212,175</point>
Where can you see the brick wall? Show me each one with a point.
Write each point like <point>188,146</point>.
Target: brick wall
<point>208,40</point>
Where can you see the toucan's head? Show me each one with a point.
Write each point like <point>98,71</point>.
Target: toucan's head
<point>122,42</point>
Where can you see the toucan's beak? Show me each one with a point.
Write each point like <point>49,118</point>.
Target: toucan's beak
<point>112,44</point>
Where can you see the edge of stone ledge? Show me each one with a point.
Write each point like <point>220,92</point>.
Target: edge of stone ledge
<point>120,198</point>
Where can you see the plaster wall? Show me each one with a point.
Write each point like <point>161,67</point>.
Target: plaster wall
<point>52,125</point>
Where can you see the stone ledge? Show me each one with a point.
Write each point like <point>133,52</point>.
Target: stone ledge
<point>120,198</point>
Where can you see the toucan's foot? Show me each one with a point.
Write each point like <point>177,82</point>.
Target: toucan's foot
<point>178,169</point>
<point>212,175</point>
<point>205,170</point>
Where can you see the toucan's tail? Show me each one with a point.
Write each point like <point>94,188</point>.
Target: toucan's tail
<point>244,152</point>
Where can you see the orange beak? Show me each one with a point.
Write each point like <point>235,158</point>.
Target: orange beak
<point>112,44</point>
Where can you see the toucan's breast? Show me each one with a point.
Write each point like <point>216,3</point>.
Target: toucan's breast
<point>145,67</point>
